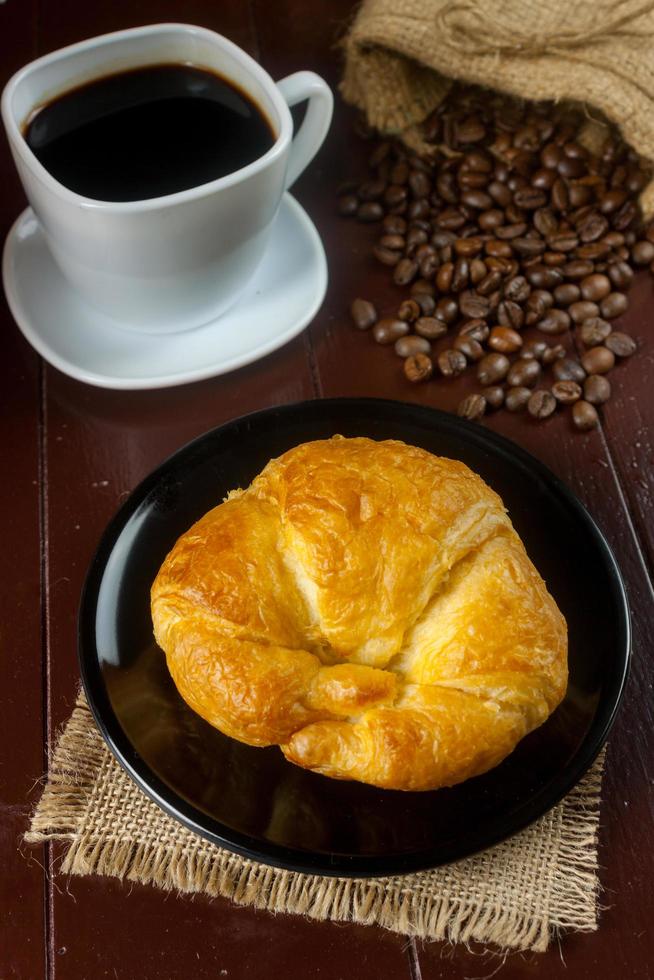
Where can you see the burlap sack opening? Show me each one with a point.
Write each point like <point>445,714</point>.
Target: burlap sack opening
<point>402,55</point>
<point>517,895</point>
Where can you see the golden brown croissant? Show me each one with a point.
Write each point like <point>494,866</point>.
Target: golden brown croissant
<point>368,607</point>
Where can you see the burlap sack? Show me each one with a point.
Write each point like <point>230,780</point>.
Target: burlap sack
<point>401,56</point>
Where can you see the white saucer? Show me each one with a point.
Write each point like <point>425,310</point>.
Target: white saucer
<point>283,297</point>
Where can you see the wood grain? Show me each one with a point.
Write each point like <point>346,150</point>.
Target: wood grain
<point>90,447</point>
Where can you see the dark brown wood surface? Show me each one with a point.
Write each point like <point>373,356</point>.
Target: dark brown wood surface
<point>71,454</point>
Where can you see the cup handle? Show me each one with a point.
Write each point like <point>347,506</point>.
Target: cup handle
<point>309,138</point>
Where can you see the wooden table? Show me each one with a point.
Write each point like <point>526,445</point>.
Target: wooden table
<point>71,454</point>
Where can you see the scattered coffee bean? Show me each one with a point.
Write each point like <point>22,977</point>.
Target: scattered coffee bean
<point>566,392</point>
<point>516,398</point>
<point>363,313</point>
<point>472,407</point>
<point>418,367</point>
<point>595,287</point>
<point>492,368</point>
<point>568,370</point>
<point>583,310</point>
<point>469,347</point>
<point>597,360</point>
<point>451,363</point>
<point>554,322</point>
<point>409,311</point>
<point>594,331</point>
<point>584,416</point>
<point>613,305</point>
<point>407,346</point>
<point>524,373</point>
<point>597,389</point>
<point>621,344</point>
<point>505,340</point>
<point>541,404</point>
<point>537,233</point>
<point>494,396</point>
<point>387,331</point>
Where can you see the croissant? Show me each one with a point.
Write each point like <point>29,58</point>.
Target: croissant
<point>368,607</point>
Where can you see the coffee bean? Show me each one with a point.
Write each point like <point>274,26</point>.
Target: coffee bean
<point>473,305</point>
<point>444,277</point>
<point>371,190</point>
<point>563,241</point>
<point>468,247</point>
<point>408,310</point>
<point>430,327</point>
<point>426,302</point>
<point>533,348</point>
<point>516,398</point>
<point>498,249</point>
<point>499,193</point>
<point>595,287</point>
<point>419,183</point>
<point>418,367</point>
<point>613,305</point>
<point>494,396</point>
<point>472,407</point>
<point>584,416</point>
<point>559,197</point>
<point>347,205</point>
<point>568,369</point>
<point>475,329</point>
<point>394,224</point>
<point>611,201</point>
<point>642,253</point>
<point>554,353</point>
<point>489,220</point>
<point>594,331</point>
<point>530,198</point>
<point>554,322</point>
<point>489,283</point>
<point>583,310</point>
<point>621,274</point>
<point>405,272</point>
<point>577,269</point>
<point>386,255</point>
<point>387,331</point>
<point>594,251</point>
<point>395,195</point>
<point>478,271</point>
<point>369,211</point>
<point>477,199</point>
<point>545,222</point>
<point>551,155</point>
<point>566,392</point>
<point>592,227</point>
<point>597,360</point>
<point>505,340</point>
<point>621,344</point>
<point>508,232</point>
<point>570,168</point>
<point>493,368</point>
<point>545,277</point>
<point>399,173</point>
<point>567,293</point>
<point>517,289</point>
<point>541,404</point>
<point>395,242</point>
<point>363,314</point>
<point>451,363</point>
<point>461,275</point>
<point>510,314</point>
<point>623,218</point>
<point>524,372</point>
<point>470,130</point>
<point>407,346</point>
<point>447,309</point>
<point>597,389</point>
<point>538,303</point>
<point>470,347</point>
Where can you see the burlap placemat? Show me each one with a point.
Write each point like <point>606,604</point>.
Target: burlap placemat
<point>517,895</point>
<point>401,56</point>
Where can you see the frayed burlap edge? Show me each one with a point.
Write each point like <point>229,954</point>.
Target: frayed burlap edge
<point>409,904</point>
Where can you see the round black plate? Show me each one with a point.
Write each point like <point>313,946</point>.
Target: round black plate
<point>250,799</point>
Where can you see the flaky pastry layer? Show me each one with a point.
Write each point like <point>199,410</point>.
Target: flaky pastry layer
<point>368,607</point>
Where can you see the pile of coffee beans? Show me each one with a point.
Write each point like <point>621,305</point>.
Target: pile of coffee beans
<point>516,247</point>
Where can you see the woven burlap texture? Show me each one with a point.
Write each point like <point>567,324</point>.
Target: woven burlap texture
<point>401,56</point>
<point>517,895</point>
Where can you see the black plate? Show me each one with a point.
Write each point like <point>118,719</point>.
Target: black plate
<point>250,799</point>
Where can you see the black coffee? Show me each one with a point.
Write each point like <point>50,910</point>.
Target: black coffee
<point>148,132</point>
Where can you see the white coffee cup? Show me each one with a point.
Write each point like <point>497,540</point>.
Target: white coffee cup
<point>175,262</point>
